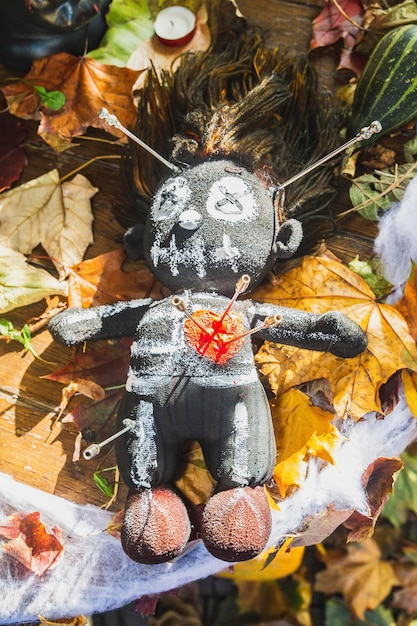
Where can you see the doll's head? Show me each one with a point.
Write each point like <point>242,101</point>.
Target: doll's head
<point>211,223</point>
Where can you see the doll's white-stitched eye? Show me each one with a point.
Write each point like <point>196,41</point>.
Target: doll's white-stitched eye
<point>171,198</point>
<point>190,219</point>
<point>231,199</point>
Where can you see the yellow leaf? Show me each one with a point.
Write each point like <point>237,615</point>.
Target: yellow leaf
<point>360,575</point>
<point>195,482</point>
<point>302,431</point>
<point>22,284</point>
<point>323,284</point>
<point>286,561</point>
<point>71,233</point>
<point>409,380</point>
<point>42,211</point>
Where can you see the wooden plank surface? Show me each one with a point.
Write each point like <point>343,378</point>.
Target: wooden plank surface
<point>29,451</point>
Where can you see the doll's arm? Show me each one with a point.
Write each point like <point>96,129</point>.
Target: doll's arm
<point>76,325</point>
<point>331,332</point>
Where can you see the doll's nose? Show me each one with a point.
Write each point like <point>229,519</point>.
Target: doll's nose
<point>190,219</point>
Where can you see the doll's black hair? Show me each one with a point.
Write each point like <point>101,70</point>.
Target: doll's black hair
<point>246,102</point>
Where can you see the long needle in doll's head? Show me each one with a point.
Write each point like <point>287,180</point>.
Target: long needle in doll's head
<point>112,120</point>
<point>363,134</point>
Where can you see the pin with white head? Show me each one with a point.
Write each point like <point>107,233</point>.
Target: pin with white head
<point>112,120</point>
<point>94,450</point>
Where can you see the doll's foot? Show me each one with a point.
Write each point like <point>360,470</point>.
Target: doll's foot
<point>156,526</point>
<point>237,523</point>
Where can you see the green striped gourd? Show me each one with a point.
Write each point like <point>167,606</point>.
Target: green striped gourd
<point>387,88</point>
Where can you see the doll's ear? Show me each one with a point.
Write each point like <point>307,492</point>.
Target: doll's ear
<point>133,242</point>
<point>288,239</point>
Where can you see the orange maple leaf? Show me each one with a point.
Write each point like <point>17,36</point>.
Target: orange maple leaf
<point>102,280</point>
<point>87,85</point>
<point>303,431</point>
<point>323,284</point>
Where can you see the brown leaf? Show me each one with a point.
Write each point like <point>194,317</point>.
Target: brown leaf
<point>12,155</point>
<point>360,575</point>
<point>98,363</point>
<point>195,482</point>
<point>406,598</point>
<point>322,284</point>
<point>318,526</point>
<point>377,481</point>
<point>30,543</point>
<point>340,20</point>
<point>87,85</point>
<point>102,280</point>
<point>114,527</point>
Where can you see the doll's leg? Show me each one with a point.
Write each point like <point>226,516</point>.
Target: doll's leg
<point>156,525</point>
<point>237,520</point>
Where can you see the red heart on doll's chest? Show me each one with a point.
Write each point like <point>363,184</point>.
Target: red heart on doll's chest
<point>215,336</point>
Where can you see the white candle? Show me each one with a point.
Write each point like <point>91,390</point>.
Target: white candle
<point>175,26</point>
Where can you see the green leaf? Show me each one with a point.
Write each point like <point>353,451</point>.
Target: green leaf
<point>54,100</point>
<point>404,496</point>
<point>368,270</point>
<point>23,336</point>
<point>336,612</point>
<point>410,150</point>
<point>21,284</point>
<point>373,193</point>
<point>129,22</point>
<point>103,484</point>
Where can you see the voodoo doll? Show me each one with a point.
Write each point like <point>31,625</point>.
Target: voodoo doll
<point>220,206</point>
<point>213,232</point>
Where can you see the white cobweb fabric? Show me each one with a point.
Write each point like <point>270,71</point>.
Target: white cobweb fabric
<point>94,574</point>
<point>396,244</point>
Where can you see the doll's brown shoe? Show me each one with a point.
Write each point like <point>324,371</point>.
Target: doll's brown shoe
<point>236,523</point>
<point>156,526</point>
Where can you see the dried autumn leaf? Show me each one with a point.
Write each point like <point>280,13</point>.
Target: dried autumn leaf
<point>102,280</point>
<point>42,211</point>
<point>322,284</point>
<point>114,526</point>
<point>74,621</point>
<point>360,575</point>
<point>30,543</point>
<point>303,431</point>
<point>21,284</point>
<point>102,362</point>
<point>377,481</point>
<point>404,497</point>
<point>12,155</point>
<point>195,482</point>
<point>409,381</point>
<point>271,599</point>
<point>406,598</point>
<point>70,237</point>
<point>340,20</point>
<point>271,564</point>
<point>407,305</point>
<point>87,85</point>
